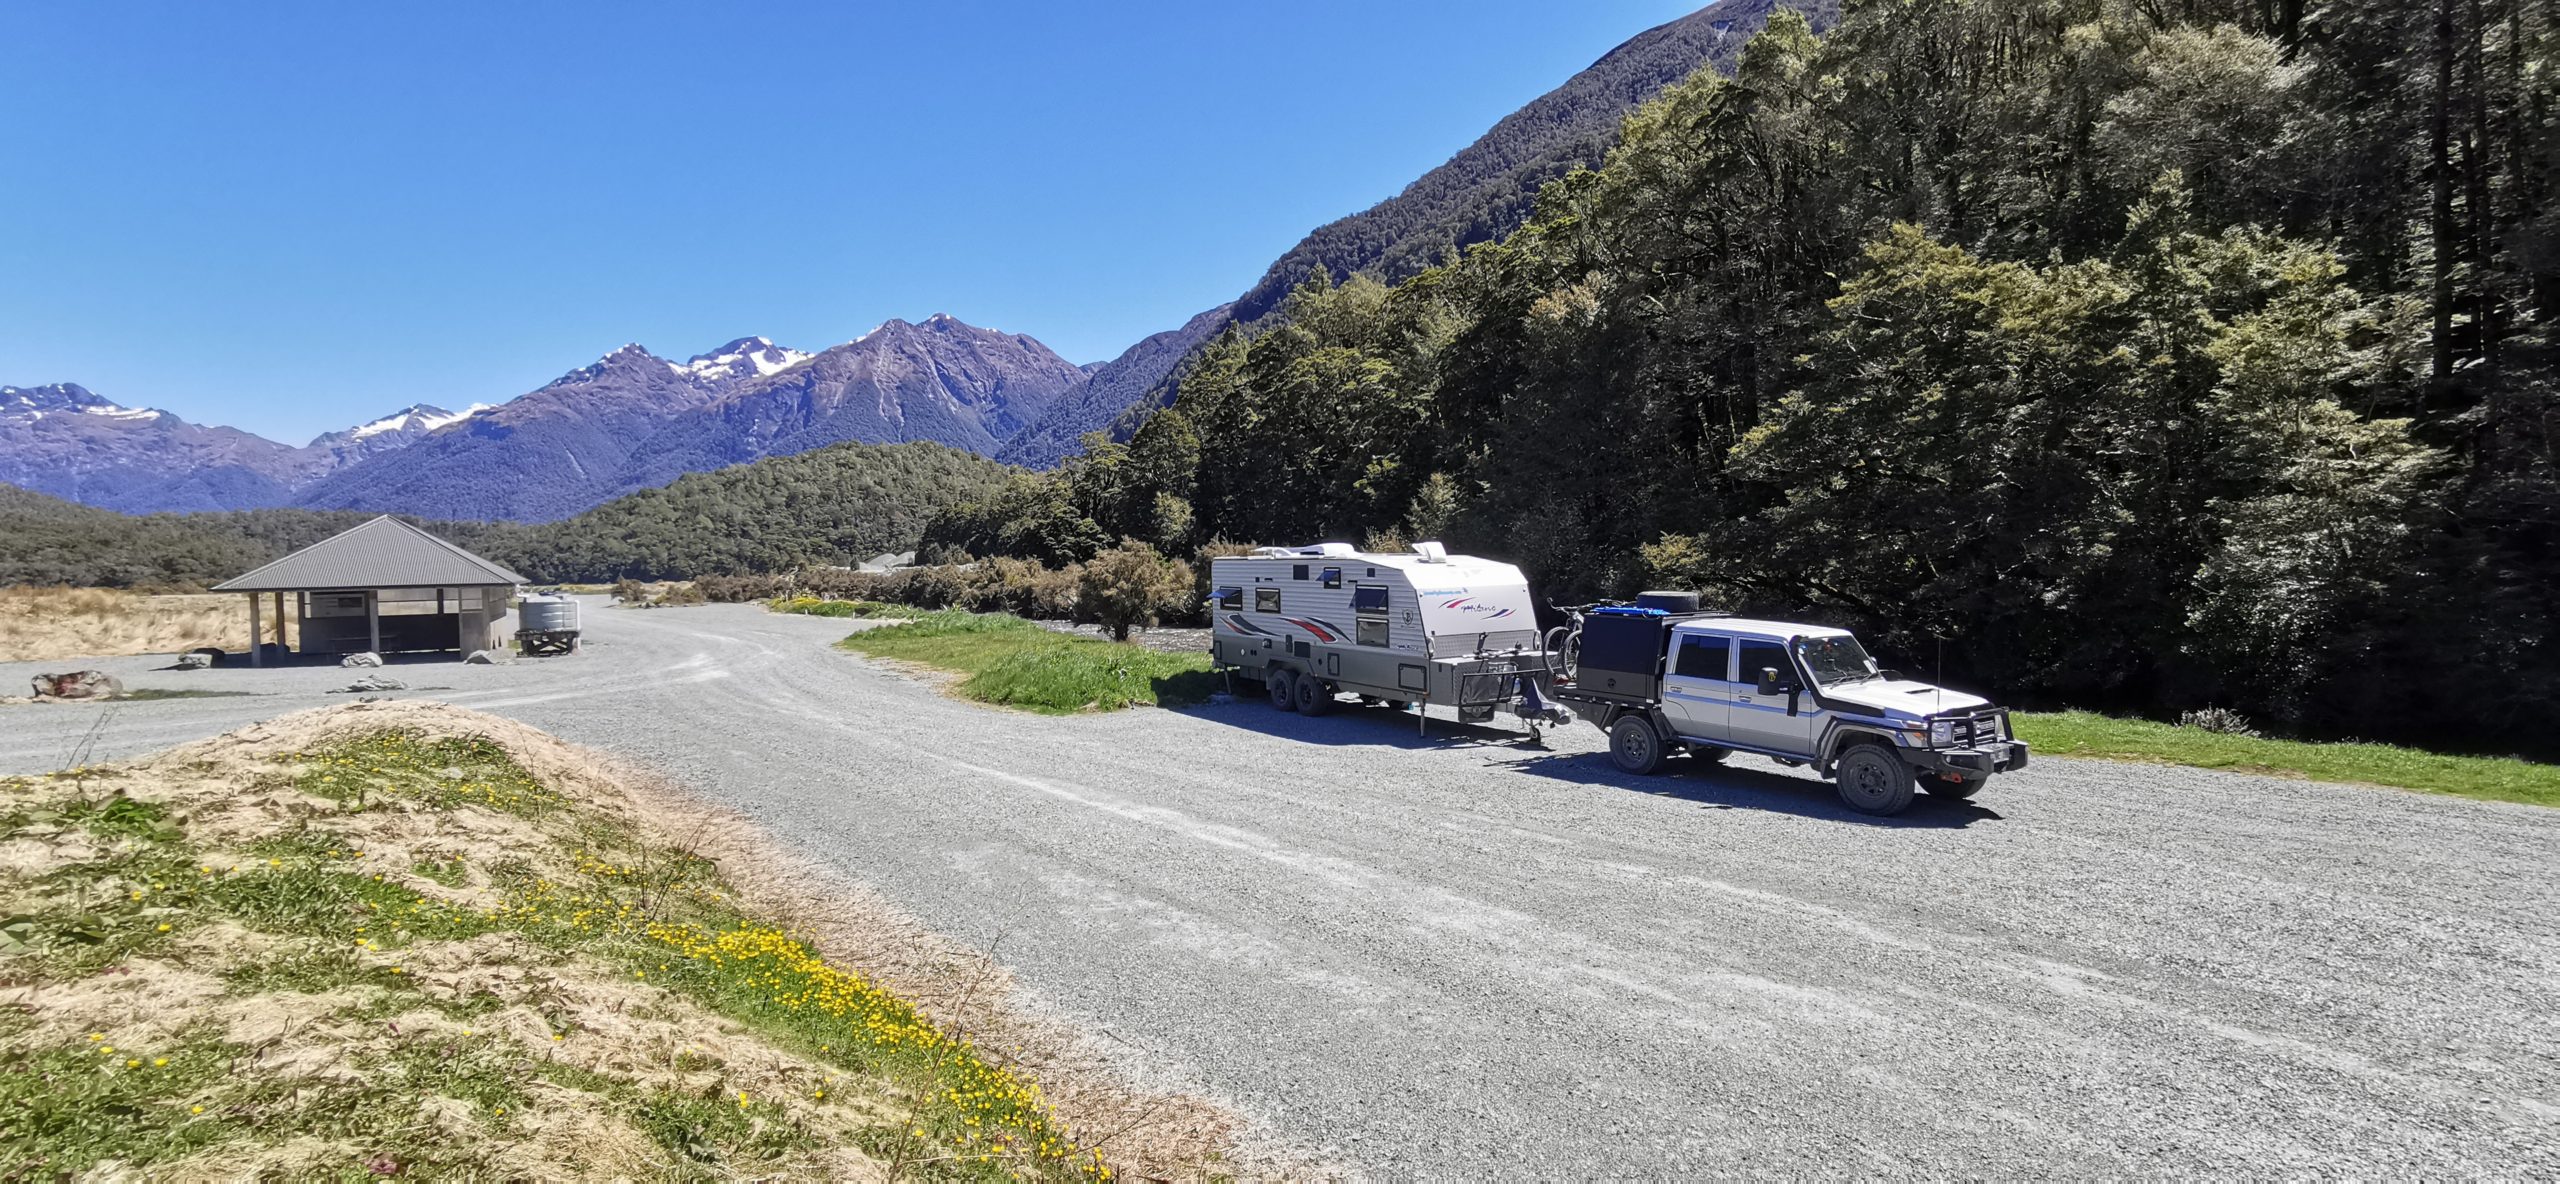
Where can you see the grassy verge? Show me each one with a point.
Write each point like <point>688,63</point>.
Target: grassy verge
<point>1013,662</point>
<point>2496,779</point>
<point>815,606</point>
<point>402,955</point>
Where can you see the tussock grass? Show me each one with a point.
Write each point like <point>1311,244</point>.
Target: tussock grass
<point>402,953</point>
<point>2088,734</point>
<point>1015,663</point>
<point>40,624</point>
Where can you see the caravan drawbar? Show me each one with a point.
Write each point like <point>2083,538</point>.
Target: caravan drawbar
<point>1424,626</point>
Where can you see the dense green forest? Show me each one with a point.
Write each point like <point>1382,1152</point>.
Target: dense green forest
<point>2132,353</point>
<point>1489,187</point>
<point>828,507</point>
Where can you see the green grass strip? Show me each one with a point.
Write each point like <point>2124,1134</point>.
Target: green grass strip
<point>2489,779</point>
<point>814,606</point>
<point>1015,663</point>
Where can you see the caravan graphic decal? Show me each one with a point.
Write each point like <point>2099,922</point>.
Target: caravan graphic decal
<point>1324,630</point>
<point>1240,625</point>
<point>1469,604</point>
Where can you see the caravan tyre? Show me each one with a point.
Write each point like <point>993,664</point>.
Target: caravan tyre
<point>1314,696</point>
<point>1283,687</point>
<point>1634,746</point>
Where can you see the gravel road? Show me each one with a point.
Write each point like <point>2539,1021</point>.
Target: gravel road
<point>1463,956</point>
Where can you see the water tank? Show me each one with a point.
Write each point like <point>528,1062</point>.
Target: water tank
<point>548,614</point>
<point>1669,602</point>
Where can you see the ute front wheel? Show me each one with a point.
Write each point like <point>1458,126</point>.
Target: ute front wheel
<point>1282,687</point>
<point>1875,781</point>
<point>1634,746</point>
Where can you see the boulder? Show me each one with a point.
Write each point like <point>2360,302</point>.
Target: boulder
<point>79,684</point>
<point>482,658</point>
<point>213,655</point>
<point>193,661</point>
<point>363,659</point>
<point>374,682</point>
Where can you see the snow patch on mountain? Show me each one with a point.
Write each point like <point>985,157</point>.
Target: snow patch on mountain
<point>417,418</point>
<point>758,356</point>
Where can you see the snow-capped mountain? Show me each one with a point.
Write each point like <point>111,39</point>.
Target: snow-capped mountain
<point>746,357</point>
<point>629,420</point>
<point>69,442</point>
<point>632,419</point>
<point>33,403</point>
<point>397,430</point>
<point>65,441</point>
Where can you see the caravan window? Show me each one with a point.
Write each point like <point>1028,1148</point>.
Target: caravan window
<point>1333,577</point>
<point>1231,598</point>
<point>1369,600</point>
<point>1373,630</point>
<point>1297,571</point>
<point>1266,600</point>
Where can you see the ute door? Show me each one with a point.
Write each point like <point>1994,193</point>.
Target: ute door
<point>1761,721</point>
<point>1695,693</point>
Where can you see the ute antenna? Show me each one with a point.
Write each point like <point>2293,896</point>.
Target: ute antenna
<point>1941,681</point>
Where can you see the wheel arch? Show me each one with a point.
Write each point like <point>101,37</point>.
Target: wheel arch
<point>1843,736</point>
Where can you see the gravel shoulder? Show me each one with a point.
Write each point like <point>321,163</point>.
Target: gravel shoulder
<point>1458,954</point>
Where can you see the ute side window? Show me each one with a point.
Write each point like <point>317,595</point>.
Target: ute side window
<point>1704,657</point>
<point>1768,655</point>
<point>1266,600</point>
<point>1231,598</point>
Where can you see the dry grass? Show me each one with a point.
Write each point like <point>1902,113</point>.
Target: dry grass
<point>44,624</point>
<point>512,1056</point>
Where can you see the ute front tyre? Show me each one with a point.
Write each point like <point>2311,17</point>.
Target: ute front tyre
<point>1282,687</point>
<point>1634,746</point>
<point>1875,781</point>
<point>1314,697</point>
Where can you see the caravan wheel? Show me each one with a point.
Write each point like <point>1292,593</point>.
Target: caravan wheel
<point>1315,696</point>
<point>1283,687</point>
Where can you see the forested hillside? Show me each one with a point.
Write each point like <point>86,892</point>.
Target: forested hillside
<point>2133,354</point>
<point>1484,192</point>
<point>1489,187</point>
<point>831,506</point>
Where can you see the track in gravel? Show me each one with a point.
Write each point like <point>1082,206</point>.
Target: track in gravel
<point>1460,955</point>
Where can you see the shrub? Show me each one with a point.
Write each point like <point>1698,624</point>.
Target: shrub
<point>1132,585</point>
<point>2221,721</point>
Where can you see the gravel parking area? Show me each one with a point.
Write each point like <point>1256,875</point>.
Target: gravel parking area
<point>1458,955</point>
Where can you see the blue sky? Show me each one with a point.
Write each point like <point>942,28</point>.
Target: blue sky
<point>291,218</point>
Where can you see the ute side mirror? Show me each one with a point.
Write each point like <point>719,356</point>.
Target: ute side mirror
<point>1769,682</point>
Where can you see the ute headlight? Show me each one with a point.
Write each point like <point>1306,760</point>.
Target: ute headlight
<point>1942,733</point>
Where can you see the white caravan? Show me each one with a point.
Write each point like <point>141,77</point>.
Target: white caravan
<point>1422,626</point>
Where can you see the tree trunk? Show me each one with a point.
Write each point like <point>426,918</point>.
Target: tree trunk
<point>2440,236</point>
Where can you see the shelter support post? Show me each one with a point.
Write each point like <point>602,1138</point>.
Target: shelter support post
<point>373,618</point>
<point>281,641</point>
<point>256,651</point>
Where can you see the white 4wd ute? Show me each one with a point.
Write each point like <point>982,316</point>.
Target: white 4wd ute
<point>1660,677</point>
